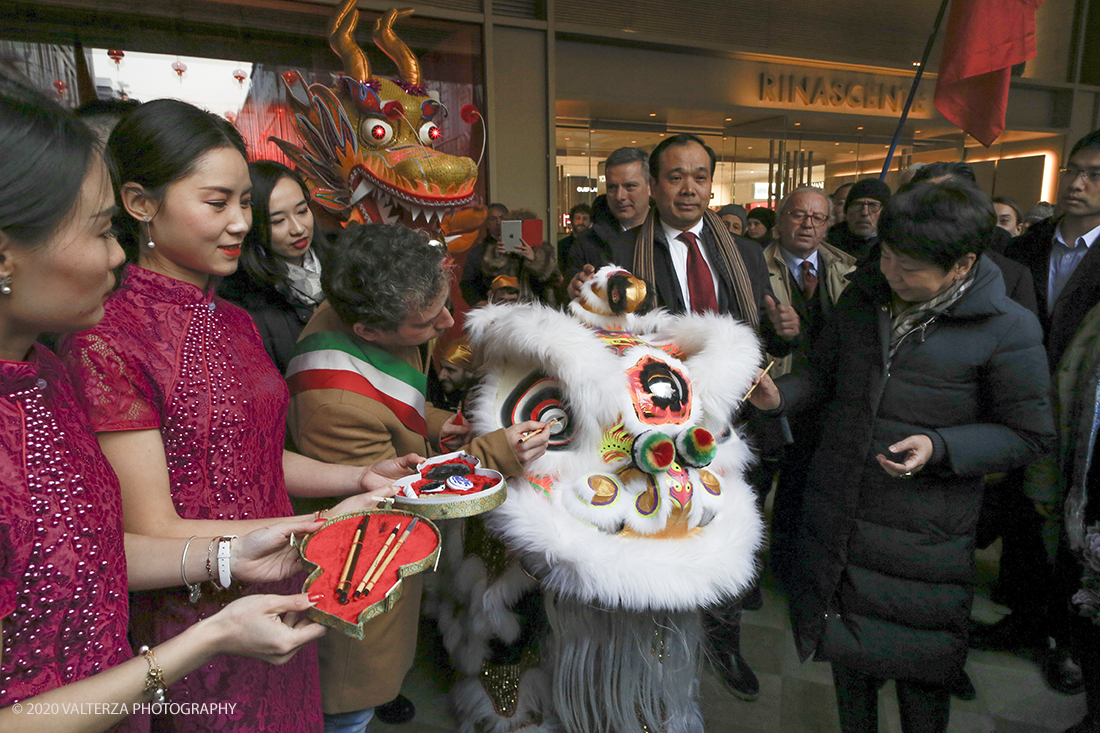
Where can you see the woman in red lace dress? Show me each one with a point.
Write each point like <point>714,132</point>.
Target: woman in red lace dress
<point>188,407</point>
<point>65,561</point>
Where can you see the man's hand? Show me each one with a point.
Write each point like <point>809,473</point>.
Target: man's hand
<point>764,395</point>
<point>452,435</point>
<point>534,445</point>
<point>783,317</point>
<point>917,450</point>
<point>580,279</point>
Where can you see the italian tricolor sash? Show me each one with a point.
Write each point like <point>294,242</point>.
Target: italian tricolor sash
<point>331,360</point>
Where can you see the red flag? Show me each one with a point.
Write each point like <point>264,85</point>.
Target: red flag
<point>985,39</point>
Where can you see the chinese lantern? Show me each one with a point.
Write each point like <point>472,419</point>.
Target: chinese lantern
<point>179,67</point>
<point>61,87</point>
<point>115,55</point>
<point>240,76</point>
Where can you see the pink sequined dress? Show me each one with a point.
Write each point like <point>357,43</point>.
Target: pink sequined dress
<point>62,562</point>
<point>167,355</point>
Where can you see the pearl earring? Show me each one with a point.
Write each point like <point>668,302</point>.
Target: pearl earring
<point>5,285</point>
<point>151,244</point>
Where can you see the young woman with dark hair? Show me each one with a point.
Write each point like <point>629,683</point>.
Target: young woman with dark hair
<point>65,560</point>
<point>188,408</point>
<point>931,378</point>
<point>279,278</point>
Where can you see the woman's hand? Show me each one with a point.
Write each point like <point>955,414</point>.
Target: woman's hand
<point>525,252</point>
<point>452,435</point>
<point>265,554</point>
<point>534,446</point>
<point>264,627</point>
<point>379,478</point>
<point>764,395</point>
<point>917,450</point>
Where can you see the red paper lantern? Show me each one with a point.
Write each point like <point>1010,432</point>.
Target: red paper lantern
<point>179,67</point>
<point>240,76</point>
<point>61,87</point>
<point>115,55</point>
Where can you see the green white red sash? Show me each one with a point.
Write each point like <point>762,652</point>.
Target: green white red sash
<point>331,360</point>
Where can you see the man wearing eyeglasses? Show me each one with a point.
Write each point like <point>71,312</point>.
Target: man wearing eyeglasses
<point>1060,252</point>
<point>858,233</point>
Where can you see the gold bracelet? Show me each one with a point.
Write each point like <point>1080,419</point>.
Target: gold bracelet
<point>154,679</point>
<point>209,564</point>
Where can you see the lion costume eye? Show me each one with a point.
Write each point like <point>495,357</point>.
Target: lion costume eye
<point>430,133</point>
<point>376,131</point>
<point>539,397</point>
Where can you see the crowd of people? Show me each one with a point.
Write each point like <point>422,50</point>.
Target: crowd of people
<point>934,387</point>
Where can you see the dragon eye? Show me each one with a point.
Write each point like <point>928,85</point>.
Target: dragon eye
<point>430,133</point>
<point>375,131</point>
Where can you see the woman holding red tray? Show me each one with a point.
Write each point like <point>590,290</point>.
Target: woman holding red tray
<point>189,409</point>
<point>65,559</point>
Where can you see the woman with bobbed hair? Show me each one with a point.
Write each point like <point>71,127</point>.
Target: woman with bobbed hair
<point>279,278</point>
<point>188,408</point>
<point>65,560</point>
<point>931,377</point>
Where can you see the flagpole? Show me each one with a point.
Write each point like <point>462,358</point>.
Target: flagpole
<point>913,89</point>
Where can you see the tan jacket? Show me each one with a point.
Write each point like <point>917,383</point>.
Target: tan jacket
<point>835,263</point>
<point>339,426</point>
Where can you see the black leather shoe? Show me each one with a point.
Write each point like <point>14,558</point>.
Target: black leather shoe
<point>753,600</point>
<point>397,711</point>
<point>738,675</point>
<point>1012,633</point>
<point>963,688</point>
<point>1062,673</point>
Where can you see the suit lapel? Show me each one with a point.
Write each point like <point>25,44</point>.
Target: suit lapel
<point>668,285</point>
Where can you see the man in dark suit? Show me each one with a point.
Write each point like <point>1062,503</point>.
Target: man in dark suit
<point>1064,263</point>
<point>686,252</point>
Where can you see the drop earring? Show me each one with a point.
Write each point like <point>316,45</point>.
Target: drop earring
<point>151,244</point>
<point>5,285</point>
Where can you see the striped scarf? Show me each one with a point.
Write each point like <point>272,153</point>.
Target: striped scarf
<point>735,266</point>
<point>332,360</point>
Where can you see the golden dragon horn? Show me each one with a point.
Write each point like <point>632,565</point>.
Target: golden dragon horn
<point>395,48</point>
<point>341,37</point>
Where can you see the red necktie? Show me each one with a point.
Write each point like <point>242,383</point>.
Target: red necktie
<point>700,282</point>
<point>809,279</point>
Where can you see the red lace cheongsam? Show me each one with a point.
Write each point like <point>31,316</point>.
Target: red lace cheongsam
<point>62,561</point>
<point>167,355</point>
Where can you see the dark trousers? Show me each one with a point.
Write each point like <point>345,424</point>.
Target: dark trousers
<point>924,708</point>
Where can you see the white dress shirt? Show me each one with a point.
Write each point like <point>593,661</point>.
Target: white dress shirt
<point>679,251</point>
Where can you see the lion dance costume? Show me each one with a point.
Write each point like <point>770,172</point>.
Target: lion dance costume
<point>635,518</point>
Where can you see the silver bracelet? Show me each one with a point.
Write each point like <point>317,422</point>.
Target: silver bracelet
<point>195,590</point>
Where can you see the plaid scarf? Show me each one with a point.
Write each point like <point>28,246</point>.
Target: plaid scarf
<point>921,314</point>
<point>735,266</point>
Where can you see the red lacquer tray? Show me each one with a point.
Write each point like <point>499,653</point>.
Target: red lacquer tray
<point>326,551</point>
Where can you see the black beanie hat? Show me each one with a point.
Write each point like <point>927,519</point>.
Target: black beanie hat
<point>765,215</point>
<point>736,209</point>
<point>868,188</point>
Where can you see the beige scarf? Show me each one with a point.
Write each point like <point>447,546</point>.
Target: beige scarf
<point>735,266</point>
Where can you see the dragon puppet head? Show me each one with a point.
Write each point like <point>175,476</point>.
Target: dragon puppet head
<point>367,142</point>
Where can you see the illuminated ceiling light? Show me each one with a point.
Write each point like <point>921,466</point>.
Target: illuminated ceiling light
<point>661,135</point>
<point>633,141</point>
<point>860,127</point>
<point>652,114</point>
<point>916,63</point>
<point>729,119</point>
<point>851,151</point>
<point>833,143</point>
<point>916,132</point>
<point>570,138</point>
<point>797,124</point>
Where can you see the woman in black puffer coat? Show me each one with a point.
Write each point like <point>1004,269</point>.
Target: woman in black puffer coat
<point>930,378</point>
<point>279,278</point>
